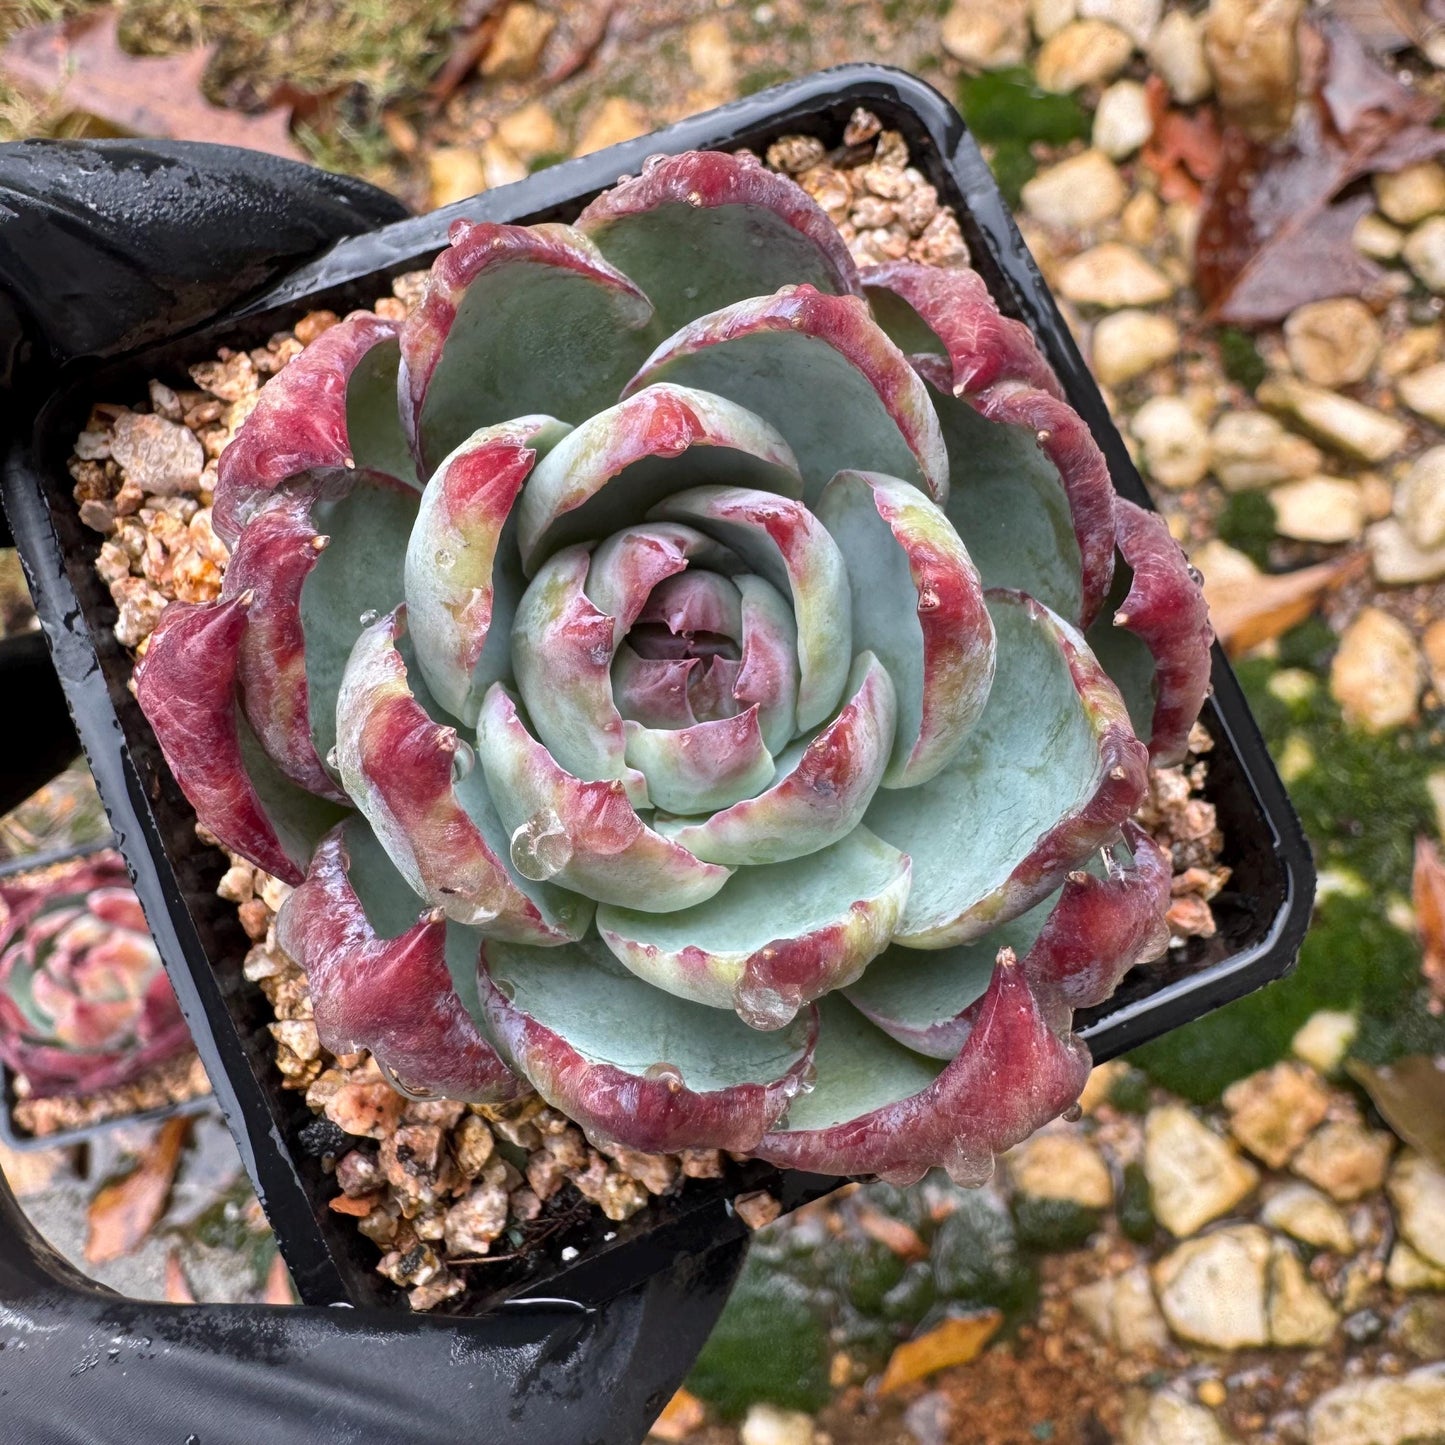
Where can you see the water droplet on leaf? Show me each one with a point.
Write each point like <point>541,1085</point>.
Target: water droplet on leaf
<point>369,616</point>
<point>540,847</point>
<point>333,759</point>
<point>664,1073</point>
<point>444,557</point>
<point>762,1007</point>
<point>463,760</point>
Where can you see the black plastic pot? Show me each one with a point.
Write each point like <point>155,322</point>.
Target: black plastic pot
<point>1262,915</point>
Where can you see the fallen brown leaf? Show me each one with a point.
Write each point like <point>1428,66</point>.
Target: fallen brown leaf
<point>1184,149</point>
<point>79,62</point>
<point>123,1213</point>
<point>1428,886</point>
<point>682,1414</point>
<point>177,1287</point>
<point>476,25</point>
<point>956,1341</point>
<point>1273,234</point>
<point>893,1234</point>
<point>1410,1094</point>
<point>360,1208</point>
<point>277,1290</point>
<point>1248,611</point>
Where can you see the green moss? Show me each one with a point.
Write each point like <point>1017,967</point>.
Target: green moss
<point>1129,1092</point>
<point>1248,523</point>
<point>547,158</point>
<point>976,1257</point>
<point>1135,1208</point>
<point>762,78</point>
<point>1049,1224</point>
<point>1008,105</point>
<point>913,1296</point>
<point>1240,358</point>
<point>1013,166</point>
<point>867,1271</point>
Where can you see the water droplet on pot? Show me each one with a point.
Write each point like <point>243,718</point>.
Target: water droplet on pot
<point>664,1073</point>
<point>369,616</point>
<point>540,847</point>
<point>463,760</point>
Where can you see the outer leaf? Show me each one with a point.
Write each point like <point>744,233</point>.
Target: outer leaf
<point>300,422</point>
<point>822,788</point>
<point>634,1065</point>
<point>590,836</point>
<point>622,460</point>
<point>1056,730</point>
<point>775,938</point>
<point>786,545</point>
<point>704,229</point>
<point>186,686</point>
<point>463,580</point>
<point>379,975</point>
<point>442,835</point>
<point>820,371</point>
<point>708,765</point>
<point>917,604</point>
<point>1157,649</point>
<point>516,320</point>
<point>879,1109</point>
<point>1075,946</point>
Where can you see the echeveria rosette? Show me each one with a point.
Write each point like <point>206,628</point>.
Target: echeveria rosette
<point>85,1004</point>
<point>701,650</point>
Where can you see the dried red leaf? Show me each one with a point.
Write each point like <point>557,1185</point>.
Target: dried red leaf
<point>177,1290</point>
<point>470,41</point>
<point>278,1290</point>
<point>123,1213</point>
<point>1184,150</point>
<point>1250,611</point>
<point>1429,897</point>
<point>1274,233</point>
<point>80,63</point>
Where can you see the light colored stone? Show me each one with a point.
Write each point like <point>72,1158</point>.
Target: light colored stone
<point>1253,449</point>
<point>1424,252</point>
<point>1181,221</point>
<point>768,1425</point>
<point>1140,218</point>
<point>1397,561</point>
<point>1305,1214</point>
<point>1062,1166</point>
<point>530,132</point>
<point>710,55</point>
<point>162,458</point>
<point>1212,1290</point>
<point>1423,392</point>
<point>1123,121</point>
<point>517,45</point>
<point>1417,1190</point>
<point>1299,1313</point>
<point>1122,1309</point>
<point>1138,19</point>
<point>1194,1175</point>
<point>1084,52</point>
<point>1251,50</point>
<point>1409,1271</point>
<point>1376,677</point>
<point>1113,275</point>
<point>1177,53</point>
<point>1432,644</point>
<point>1174,440</point>
<point>1409,350</point>
<point>617,119</point>
<point>1130,343</point>
<point>1076,194</point>
<point>501,165</point>
<point>1347,425</point>
<point>1375,237</point>
<point>1345,1159</point>
<point>986,34</point>
<point>1273,1111</point>
<point>1165,1418</point>
<point>1319,509</point>
<point>1332,343</point>
<point>1048,17</point>
<point>1388,1410</point>
<point>455,174</point>
<point>1420,499</point>
<point>1407,197</point>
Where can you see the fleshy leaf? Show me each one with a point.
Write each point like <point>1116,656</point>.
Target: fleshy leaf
<point>822,788</point>
<point>819,370</point>
<point>1155,642</point>
<point>701,230</point>
<point>776,937</point>
<point>379,975</point>
<point>918,605</point>
<point>619,462</point>
<point>785,544</point>
<point>631,562</point>
<point>653,690</point>
<point>441,832</point>
<point>516,321</point>
<point>768,675</point>
<point>463,580</point>
<point>186,685</point>
<point>1049,772</point>
<point>705,766</point>
<point>273,557</point>
<point>586,835</point>
<point>634,1065</point>
<point>1074,947</point>
<point>878,1108</point>
<point>299,422</point>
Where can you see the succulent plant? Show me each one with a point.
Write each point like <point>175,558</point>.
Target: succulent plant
<point>679,700</point>
<point>84,1002</point>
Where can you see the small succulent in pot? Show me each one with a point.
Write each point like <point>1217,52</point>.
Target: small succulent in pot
<point>696,679</point>
<point>85,1004</point>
